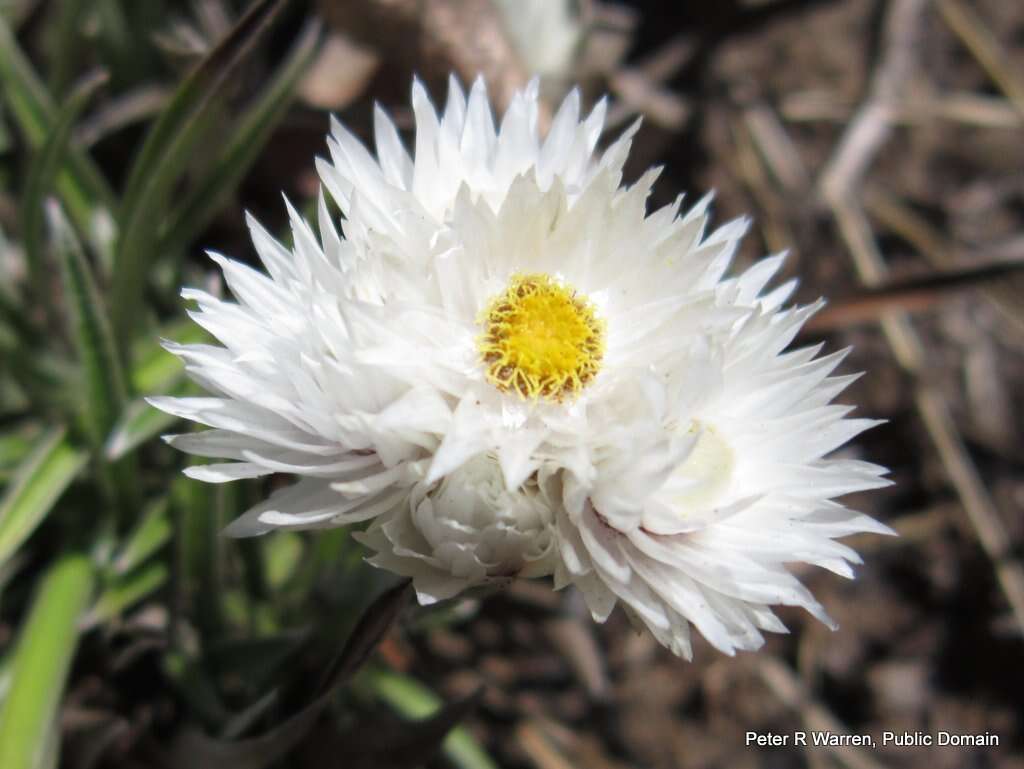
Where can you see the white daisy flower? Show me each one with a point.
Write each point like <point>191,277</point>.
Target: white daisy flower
<point>512,368</point>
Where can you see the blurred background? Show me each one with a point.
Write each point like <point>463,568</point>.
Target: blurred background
<point>881,141</point>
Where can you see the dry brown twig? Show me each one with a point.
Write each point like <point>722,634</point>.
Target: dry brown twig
<point>576,643</point>
<point>435,37</point>
<point>935,413</point>
<point>971,109</point>
<point>640,88</point>
<point>550,745</point>
<point>874,120</point>
<point>538,748</point>
<point>839,182</point>
<point>898,217</point>
<point>913,294</point>
<point>776,147</point>
<point>750,166</point>
<point>791,691</point>
<point>966,24</point>
<point>340,74</point>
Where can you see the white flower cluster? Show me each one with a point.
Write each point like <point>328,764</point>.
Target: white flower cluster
<point>507,366</point>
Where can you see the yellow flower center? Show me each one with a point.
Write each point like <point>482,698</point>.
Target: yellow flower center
<point>540,339</point>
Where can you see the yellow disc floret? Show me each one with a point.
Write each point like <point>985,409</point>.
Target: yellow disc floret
<point>540,339</point>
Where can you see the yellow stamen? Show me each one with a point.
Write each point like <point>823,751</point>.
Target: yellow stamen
<point>540,339</point>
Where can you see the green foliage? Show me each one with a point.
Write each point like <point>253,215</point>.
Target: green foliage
<point>254,127</point>
<point>43,172</point>
<point>40,666</point>
<point>80,183</point>
<point>164,156</point>
<point>105,391</point>
<point>35,488</point>
<point>101,537</point>
<point>414,700</point>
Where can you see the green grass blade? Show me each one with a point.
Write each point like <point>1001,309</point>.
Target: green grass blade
<point>42,174</point>
<point>165,153</point>
<point>6,141</point>
<point>115,34</point>
<point>200,551</point>
<point>37,485</point>
<point>50,748</point>
<point>41,377</point>
<point>5,676</point>
<point>149,535</point>
<point>65,43</point>
<point>15,445</point>
<point>414,700</point>
<point>80,184</point>
<point>155,370</point>
<point>126,591</point>
<point>248,138</point>
<point>25,93</point>
<point>105,388</point>
<point>139,424</point>
<point>12,314</point>
<point>41,663</point>
<point>201,85</point>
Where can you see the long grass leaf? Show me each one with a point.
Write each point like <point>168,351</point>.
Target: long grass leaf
<point>12,315</point>
<point>24,93</point>
<point>125,591</point>
<point>154,370</point>
<point>65,43</point>
<point>191,747</point>
<point>164,155</point>
<point>105,388</point>
<point>139,424</point>
<point>5,676</point>
<point>39,482</point>
<point>201,85</point>
<point>15,445</point>
<point>80,184</point>
<point>248,138</point>
<point>40,667</point>
<point>150,534</point>
<point>200,550</point>
<point>43,172</point>
<point>414,700</point>
<point>41,377</point>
